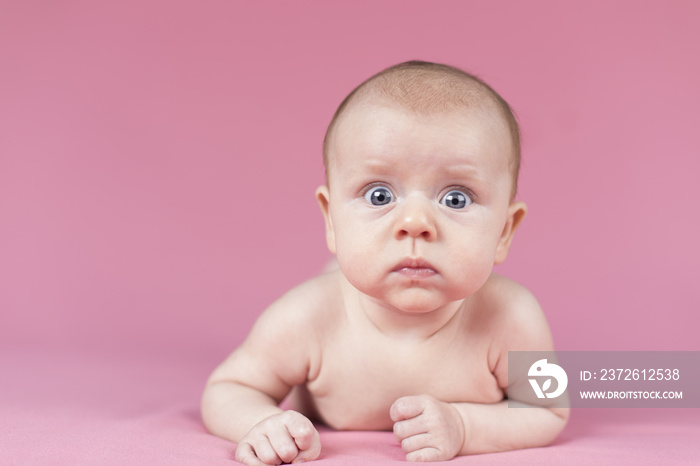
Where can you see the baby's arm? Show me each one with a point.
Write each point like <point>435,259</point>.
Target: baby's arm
<point>240,401</point>
<point>496,427</point>
<point>432,430</point>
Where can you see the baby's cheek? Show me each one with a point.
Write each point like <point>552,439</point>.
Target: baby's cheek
<point>471,273</point>
<point>354,265</point>
<point>363,278</point>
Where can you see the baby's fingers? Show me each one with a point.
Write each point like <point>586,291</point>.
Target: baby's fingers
<point>409,428</point>
<point>416,442</point>
<point>306,439</point>
<point>282,443</point>
<point>426,454</point>
<point>247,455</point>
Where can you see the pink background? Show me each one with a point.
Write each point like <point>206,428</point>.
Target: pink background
<point>158,159</point>
<point>157,167</point>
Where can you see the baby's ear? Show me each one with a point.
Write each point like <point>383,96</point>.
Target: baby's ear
<point>516,213</point>
<point>323,197</point>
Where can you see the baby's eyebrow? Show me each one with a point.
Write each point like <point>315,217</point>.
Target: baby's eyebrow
<point>461,170</point>
<point>378,164</point>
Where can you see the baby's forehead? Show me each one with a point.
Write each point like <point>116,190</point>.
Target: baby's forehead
<point>380,135</point>
<point>373,119</point>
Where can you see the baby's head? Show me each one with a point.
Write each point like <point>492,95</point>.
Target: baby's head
<point>426,88</point>
<point>421,168</point>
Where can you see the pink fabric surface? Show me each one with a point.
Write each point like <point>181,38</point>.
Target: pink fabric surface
<point>70,408</point>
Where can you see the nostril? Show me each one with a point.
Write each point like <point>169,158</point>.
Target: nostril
<point>425,232</point>
<point>414,219</point>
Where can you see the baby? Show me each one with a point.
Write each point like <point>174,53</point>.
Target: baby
<point>411,332</point>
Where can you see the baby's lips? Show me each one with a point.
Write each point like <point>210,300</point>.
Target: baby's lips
<point>416,263</point>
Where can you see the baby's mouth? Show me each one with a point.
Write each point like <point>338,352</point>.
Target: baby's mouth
<point>415,268</point>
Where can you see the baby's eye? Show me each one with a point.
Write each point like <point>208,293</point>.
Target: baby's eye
<point>456,200</point>
<point>379,196</point>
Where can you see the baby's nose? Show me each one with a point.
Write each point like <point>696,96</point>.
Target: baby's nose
<point>415,220</point>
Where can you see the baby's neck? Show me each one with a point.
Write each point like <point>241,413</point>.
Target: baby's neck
<point>395,323</point>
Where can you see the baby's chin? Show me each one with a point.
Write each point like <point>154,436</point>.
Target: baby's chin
<point>418,307</point>
<point>412,301</point>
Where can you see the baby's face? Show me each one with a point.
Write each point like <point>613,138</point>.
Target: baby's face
<point>418,204</point>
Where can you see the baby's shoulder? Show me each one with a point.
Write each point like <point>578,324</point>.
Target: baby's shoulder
<point>305,307</point>
<point>514,322</point>
<point>507,295</point>
<point>514,315</point>
<point>283,347</point>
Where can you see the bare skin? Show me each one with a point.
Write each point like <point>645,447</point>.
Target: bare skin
<point>412,332</point>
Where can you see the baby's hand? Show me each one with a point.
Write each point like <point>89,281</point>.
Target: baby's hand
<point>428,429</point>
<point>287,437</point>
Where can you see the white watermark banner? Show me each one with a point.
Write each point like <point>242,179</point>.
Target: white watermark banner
<point>604,379</point>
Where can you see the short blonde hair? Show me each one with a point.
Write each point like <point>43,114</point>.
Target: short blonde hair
<point>425,88</point>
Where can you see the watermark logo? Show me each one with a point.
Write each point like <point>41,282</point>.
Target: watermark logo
<point>542,369</point>
<point>604,379</point>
